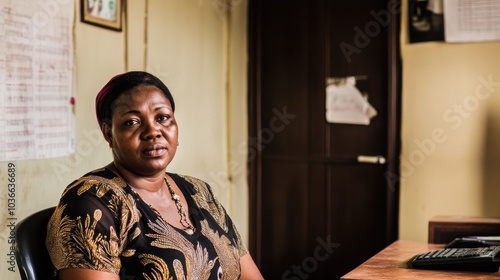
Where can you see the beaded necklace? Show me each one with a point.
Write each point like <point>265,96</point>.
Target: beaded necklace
<point>188,227</point>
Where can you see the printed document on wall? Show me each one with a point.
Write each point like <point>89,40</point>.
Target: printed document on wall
<point>471,20</point>
<point>346,104</point>
<point>36,79</point>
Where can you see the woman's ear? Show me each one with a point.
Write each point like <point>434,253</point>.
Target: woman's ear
<point>106,132</point>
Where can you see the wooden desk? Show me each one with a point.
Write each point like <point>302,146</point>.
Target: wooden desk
<point>390,263</point>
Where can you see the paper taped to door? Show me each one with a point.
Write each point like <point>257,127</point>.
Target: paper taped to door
<point>346,104</point>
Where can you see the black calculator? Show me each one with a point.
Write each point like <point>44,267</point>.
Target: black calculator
<point>465,259</point>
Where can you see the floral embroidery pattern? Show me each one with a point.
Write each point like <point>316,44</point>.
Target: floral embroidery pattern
<point>100,224</point>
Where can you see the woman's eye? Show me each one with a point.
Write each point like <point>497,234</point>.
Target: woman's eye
<point>163,118</point>
<point>130,122</point>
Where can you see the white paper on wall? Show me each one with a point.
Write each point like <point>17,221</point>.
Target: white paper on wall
<point>471,20</point>
<point>36,79</point>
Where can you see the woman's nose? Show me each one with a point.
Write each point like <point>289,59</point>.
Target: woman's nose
<point>151,130</point>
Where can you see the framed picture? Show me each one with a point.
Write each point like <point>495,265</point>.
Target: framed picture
<point>103,13</point>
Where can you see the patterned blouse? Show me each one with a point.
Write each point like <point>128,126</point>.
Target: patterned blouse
<point>102,224</point>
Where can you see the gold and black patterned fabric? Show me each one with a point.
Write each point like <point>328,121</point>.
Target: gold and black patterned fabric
<point>100,223</point>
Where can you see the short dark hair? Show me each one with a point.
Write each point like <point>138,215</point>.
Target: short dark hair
<point>121,83</point>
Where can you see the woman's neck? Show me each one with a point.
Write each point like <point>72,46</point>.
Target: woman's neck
<point>153,183</point>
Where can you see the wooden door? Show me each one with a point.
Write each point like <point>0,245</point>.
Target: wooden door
<point>316,212</point>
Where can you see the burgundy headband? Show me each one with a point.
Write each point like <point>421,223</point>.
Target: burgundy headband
<point>121,83</point>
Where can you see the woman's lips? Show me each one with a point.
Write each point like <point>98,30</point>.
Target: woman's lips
<point>155,150</point>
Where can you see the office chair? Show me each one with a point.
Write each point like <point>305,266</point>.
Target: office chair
<point>31,254</point>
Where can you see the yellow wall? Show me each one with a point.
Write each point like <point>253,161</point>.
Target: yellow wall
<point>200,53</point>
<point>450,132</point>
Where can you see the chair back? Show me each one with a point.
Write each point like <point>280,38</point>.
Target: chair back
<point>31,254</point>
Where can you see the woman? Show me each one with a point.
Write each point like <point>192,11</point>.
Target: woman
<point>133,220</point>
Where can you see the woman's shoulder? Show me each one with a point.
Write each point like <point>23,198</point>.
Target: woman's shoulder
<point>99,188</point>
<point>97,180</point>
<point>186,178</point>
<point>198,189</point>
<point>100,174</point>
<point>190,182</point>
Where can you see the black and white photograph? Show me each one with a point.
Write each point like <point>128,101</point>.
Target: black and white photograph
<point>425,20</point>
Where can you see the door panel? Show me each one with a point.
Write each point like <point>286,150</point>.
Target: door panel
<point>285,217</point>
<point>316,212</point>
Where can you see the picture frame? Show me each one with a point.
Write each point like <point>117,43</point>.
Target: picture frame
<point>103,13</point>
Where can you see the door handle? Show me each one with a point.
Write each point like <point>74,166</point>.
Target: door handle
<point>371,159</point>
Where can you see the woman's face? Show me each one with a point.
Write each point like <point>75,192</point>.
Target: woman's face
<point>143,133</point>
